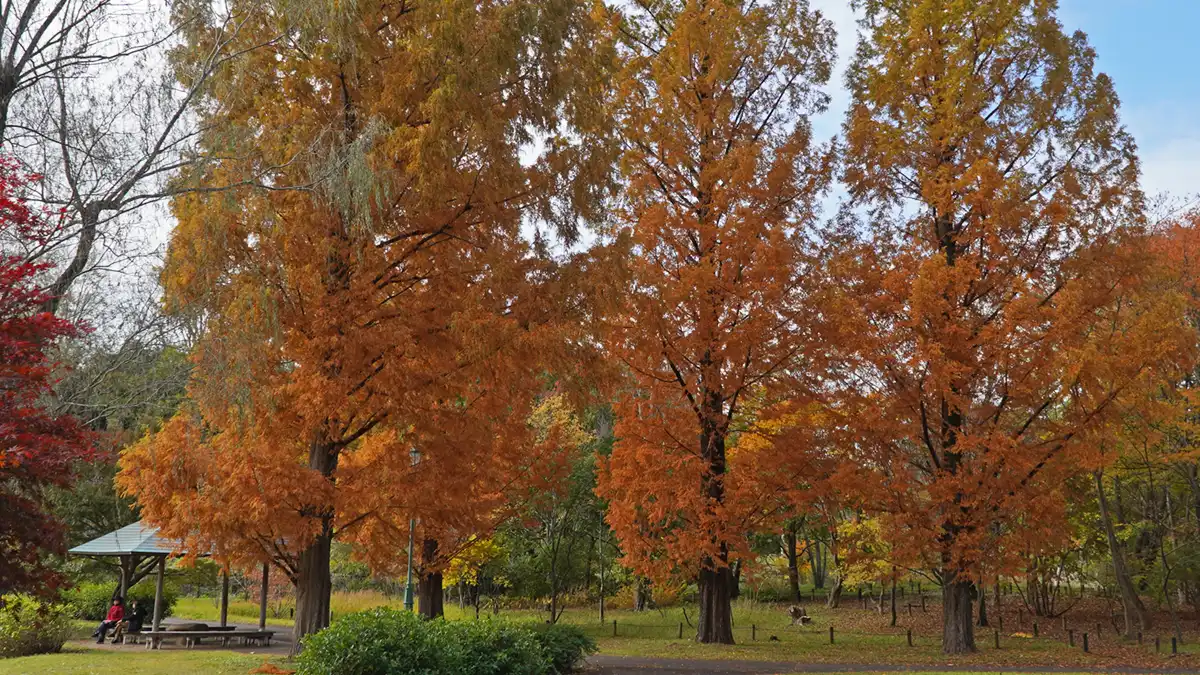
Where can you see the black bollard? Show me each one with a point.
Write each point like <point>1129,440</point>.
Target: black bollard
<point>1085,642</point>
<point>909,637</point>
<point>1070,637</point>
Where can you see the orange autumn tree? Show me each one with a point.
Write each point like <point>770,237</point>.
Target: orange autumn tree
<point>1000,314</point>
<point>722,179</point>
<point>354,244</point>
<point>468,502</point>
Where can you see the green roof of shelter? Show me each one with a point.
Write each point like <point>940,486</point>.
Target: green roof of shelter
<point>137,538</point>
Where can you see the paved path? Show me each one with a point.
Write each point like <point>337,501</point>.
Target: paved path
<point>629,665</point>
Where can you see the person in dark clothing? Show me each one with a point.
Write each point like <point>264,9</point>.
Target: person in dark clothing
<point>135,618</point>
<point>115,614</point>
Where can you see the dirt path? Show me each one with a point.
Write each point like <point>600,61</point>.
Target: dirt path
<point>630,665</point>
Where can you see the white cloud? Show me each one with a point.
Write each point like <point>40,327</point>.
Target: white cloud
<point>1172,166</point>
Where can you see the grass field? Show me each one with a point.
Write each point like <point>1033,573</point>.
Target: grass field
<point>860,636</point>
<point>82,661</point>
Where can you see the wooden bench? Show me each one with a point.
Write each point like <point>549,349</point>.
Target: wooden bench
<point>193,637</point>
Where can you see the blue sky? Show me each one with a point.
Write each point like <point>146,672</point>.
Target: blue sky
<point>1151,50</point>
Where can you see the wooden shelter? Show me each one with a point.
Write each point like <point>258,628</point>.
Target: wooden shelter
<point>140,551</point>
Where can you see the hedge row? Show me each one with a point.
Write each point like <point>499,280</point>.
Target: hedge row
<point>389,642</point>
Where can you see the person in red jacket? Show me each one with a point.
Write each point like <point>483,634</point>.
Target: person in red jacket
<point>115,614</point>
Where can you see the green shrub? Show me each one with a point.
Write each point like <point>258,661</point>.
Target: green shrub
<point>379,641</point>
<point>91,601</point>
<point>565,645</point>
<point>28,626</point>
<point>384,641</point>
<point>490,648</point>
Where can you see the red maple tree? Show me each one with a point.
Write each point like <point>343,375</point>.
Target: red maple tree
<point>37,448</point>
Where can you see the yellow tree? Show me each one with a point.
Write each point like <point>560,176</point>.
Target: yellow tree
<point>722,178</point>
<point>1001,314</point>
<point>354,242</point>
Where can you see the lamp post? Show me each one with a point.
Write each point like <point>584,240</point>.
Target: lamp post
<point>412,527</point>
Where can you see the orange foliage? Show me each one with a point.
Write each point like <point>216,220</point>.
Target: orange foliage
<point>366,286</point>
<point>1007,301</point>
<point>721,189</point>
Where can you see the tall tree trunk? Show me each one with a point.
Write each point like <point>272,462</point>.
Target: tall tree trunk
<point>715,624</point>
<point>1129,596</point>
<point>816,560</point>
<point>314,583</point>
<point>958,621</point>
<point>431,597</point>
<point>983,619</point>
<point>641,598</point>
<point>1192,471</point>
<point>789,540</point>
<point>716,583</point>
<point>835,593</point>
<point>893,594</point>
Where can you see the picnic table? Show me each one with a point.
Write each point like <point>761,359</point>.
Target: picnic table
<point>192,633</point>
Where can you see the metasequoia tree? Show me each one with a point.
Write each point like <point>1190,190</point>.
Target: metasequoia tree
<point>1001,320</point>
<point>38,449</point>
<point>722,179</point>
<point>367,289</point>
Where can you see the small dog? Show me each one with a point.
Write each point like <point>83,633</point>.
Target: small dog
<point>799,615</point>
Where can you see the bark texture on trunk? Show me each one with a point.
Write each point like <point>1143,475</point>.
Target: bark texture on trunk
<point>958,619</point>
<point>716,613</point>
<point>789,539</point>
<point>835,595</point>
<point>1135,611</point>
<point>717,584</point>
<point>431,597</point>
<point>314,583</point>
<point>313,587</point>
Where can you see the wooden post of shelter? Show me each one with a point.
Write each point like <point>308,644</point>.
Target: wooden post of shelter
<point>262,597</point>
<point>158,592</point>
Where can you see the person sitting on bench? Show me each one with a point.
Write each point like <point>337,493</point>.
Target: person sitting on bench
<point>133,622</point>
<point>115,614</point>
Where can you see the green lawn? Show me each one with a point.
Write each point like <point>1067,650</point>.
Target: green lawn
<point>860,637</point>
<point>81,661</point>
